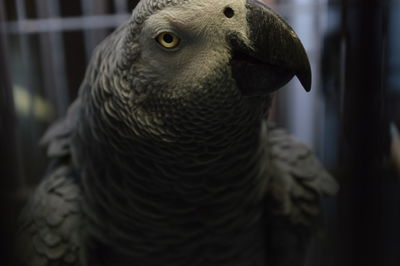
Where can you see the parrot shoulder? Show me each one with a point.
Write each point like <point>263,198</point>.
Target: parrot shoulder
<point>57,138</point>
<point>296,183</point>
<point>49,226</point>
<point>297,179</point>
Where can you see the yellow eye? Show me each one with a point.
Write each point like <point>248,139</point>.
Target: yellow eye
<point>168,40</point>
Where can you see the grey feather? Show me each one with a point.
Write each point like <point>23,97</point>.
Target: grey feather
<point>57,137</point>
<point>165,158</point>
<point>297,183</point>
<point>49,232</point>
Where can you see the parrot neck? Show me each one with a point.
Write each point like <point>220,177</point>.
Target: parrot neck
<point>182,196</point>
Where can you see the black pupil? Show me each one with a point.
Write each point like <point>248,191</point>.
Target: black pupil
<point>168,38</point>
<point>228,12</point>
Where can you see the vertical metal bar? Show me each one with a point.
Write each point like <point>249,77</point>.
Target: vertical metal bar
<point>8,152</point>
<point>27,82</point>
<point>93,37</point>
<point>88,35</point>
<point>59,61</point>
<point>319,12</point>
<point>393,49</point>
<point>53,60</point>
<point>121,6</point>
<point>364,135</point>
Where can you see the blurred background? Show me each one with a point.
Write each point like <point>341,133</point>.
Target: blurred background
<point>354,49</point>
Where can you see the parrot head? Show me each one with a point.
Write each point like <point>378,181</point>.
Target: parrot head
<point>200,59</point>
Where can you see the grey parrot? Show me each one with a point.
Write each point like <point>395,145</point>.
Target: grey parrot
<point>166,157</point>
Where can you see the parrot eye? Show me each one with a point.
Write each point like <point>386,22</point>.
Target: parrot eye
<point>168,40</point>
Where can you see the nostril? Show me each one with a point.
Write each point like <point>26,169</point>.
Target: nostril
<point>228,12</point>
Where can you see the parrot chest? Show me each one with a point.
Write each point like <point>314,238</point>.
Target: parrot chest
<point>179,211</point>
<point>196,200</point>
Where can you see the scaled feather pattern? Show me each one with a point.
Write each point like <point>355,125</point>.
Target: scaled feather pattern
<point>166,158</point>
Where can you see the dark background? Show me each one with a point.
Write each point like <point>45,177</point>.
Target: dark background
<point>354,49</point>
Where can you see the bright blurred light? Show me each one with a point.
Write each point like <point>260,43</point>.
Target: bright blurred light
<point>25,104</point>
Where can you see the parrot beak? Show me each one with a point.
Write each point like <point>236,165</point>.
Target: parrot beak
<point>273,57</point>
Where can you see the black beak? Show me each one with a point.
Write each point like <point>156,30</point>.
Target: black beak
<point>274,56</point>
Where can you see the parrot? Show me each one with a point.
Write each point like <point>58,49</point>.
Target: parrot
<point>166,156</point>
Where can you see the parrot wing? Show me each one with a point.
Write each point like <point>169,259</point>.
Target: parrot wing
<point>49,225</point>
<point>297,182</point>
<point>49,231</point>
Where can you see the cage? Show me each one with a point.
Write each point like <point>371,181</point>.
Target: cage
<point>352,45</point>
